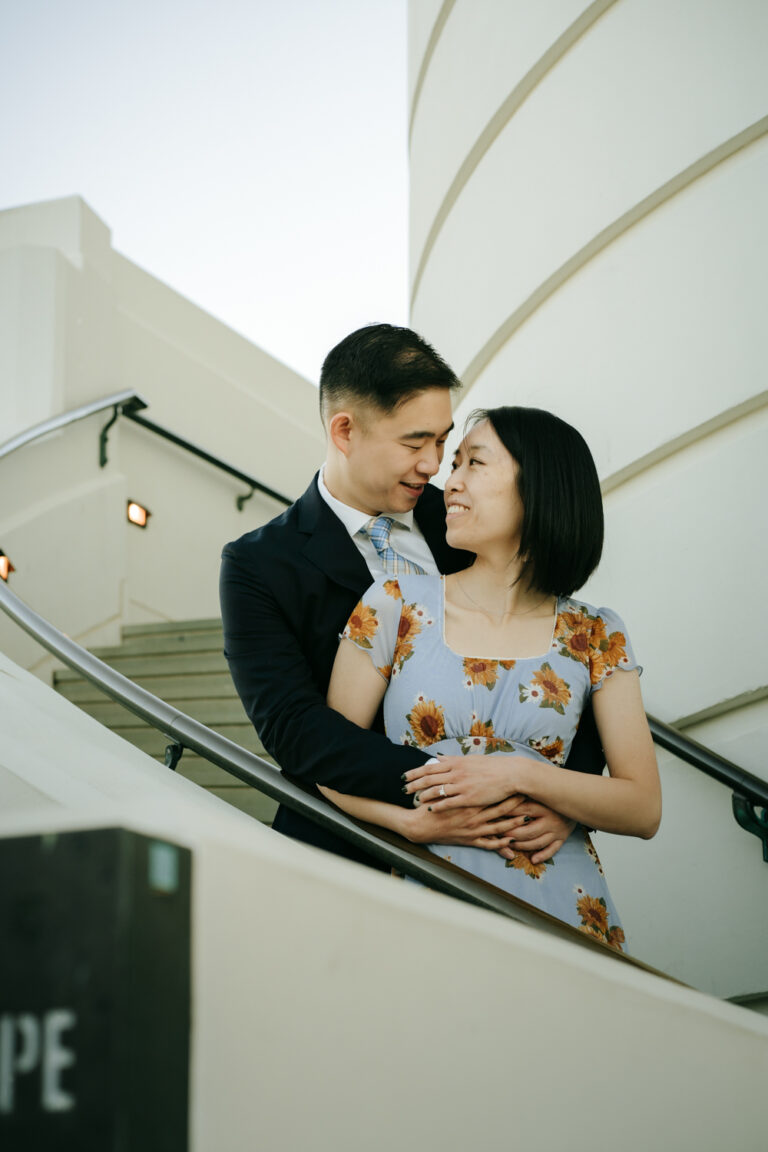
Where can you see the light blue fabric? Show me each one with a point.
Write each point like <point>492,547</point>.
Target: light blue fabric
<point>445,702</point>
<point>378,529</point>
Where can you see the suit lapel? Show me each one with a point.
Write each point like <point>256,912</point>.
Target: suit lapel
<point>328,544</point>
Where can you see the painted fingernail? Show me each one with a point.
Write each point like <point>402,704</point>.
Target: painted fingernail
<point>527,819</point>
<point>403,777</point>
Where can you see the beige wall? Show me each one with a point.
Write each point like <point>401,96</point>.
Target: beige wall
<point>78,322</point>
<point>334,1008</point>
<point>588,235</point>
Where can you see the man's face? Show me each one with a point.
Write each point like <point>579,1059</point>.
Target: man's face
<point>391,457</point>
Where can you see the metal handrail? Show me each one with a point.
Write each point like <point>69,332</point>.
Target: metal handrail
<point>129,403</point>
<point>712,763</point>
<point>116,400</point>
<point>190,734</point>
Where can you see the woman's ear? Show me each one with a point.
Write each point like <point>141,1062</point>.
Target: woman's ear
<point>340,429</point>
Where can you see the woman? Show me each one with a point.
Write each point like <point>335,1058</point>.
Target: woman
<point>490,669</point>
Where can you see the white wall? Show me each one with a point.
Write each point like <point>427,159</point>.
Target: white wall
<point>335,1008</point>
<point>78,322</point>
<point>588,235</point>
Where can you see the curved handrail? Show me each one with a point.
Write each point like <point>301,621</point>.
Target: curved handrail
<point>251,769</point>
<point>129,403</point>
<point>54,423</point>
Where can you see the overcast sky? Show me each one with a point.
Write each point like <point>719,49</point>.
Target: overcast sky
<point>249,153</point>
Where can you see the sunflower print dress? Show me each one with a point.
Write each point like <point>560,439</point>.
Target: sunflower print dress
<point>441,701</point>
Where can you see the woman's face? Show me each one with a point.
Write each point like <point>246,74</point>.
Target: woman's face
<point>484,511</point>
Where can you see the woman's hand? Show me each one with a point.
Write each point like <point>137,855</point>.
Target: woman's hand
<point>463,781</point>
<point>488,828</point>
<point>538,831</point>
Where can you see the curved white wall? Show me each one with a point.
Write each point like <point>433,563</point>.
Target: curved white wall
<point>588,234</point>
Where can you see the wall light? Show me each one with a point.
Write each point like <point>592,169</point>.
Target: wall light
<point>138,514</point>
<point>5,567</point>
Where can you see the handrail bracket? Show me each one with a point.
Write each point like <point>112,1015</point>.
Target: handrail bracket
<point>752,820</point>
<point>104,436</point>
<point>173,754</point>
<point>243,500</point>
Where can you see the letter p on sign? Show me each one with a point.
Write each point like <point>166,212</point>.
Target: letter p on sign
<point>29,1042</point>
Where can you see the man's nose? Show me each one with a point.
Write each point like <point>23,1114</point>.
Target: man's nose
<point>429,462</point>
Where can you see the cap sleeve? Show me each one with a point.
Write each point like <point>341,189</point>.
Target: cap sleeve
<point>609,648</point>
<point>374,624</point>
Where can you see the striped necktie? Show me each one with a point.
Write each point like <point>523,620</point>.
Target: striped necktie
<point>378,529</point>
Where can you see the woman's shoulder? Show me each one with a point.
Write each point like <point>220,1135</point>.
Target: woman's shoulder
<point>575,607</point>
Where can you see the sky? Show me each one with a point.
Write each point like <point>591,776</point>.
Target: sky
<point>251,154</point>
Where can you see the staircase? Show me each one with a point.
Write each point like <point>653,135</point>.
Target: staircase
<point>183,664</point>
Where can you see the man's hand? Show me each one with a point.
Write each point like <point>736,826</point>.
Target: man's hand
<point>538,831</point>
<point>488,828</point>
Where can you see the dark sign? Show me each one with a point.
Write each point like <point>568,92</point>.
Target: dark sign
<point>94,993</point>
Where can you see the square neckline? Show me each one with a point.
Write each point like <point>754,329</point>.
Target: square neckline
<point>499,659</point>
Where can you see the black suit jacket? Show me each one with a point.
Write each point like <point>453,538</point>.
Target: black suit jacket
<point>287,590</point>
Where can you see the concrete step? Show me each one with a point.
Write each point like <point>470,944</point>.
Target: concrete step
<point>158,664</point>
<point>213,713</point>
<point>171,627</point>
<point>172,688</point>
<point>163,644</point>
<point>183,664</point>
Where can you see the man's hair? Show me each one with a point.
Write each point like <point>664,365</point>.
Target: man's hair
<point>381,366</point>
<point>562,535</point>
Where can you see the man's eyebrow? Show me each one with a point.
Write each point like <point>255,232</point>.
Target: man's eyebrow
<point>427,435</point>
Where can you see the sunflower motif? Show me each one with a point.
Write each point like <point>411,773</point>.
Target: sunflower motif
<point>591,851</point>
<point>361,626</point>
<point>572,635</point>
<point>481,738</point>
<point>408,629</point>
<point>483,672</point>
<point>598,669</point>
<point>549,747</point>
<point>392,588</point>
<point>523,862</point>
<point>615,937</point>
<point>427,722</point>
<point>385,671</point>
<point>594,914</point>
<point>547,690</point>
<point>614,648</point>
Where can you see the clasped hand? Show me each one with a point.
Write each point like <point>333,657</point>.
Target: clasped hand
<point>475,796</point>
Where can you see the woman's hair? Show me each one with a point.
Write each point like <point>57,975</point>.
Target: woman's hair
<point>562,534</point>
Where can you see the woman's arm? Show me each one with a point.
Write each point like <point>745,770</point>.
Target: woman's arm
<point>626,802</point>
<point>356,690</point>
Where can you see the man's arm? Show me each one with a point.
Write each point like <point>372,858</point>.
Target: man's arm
<point>309,741</point>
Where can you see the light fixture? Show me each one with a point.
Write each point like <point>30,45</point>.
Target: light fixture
<point>138,514</point>
<point>5,567</point>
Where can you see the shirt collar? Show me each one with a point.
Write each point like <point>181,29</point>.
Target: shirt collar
<point>352,518</point>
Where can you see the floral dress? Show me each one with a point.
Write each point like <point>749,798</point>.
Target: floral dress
<point>444,702</point>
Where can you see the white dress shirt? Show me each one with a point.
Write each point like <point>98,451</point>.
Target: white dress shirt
<point>406,536</point>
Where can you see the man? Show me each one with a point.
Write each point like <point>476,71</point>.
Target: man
<point>287,589</point>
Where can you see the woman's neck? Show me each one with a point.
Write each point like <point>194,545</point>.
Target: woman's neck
<point>496,586</point>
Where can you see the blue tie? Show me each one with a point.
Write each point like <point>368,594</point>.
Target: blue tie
<point>378,529</point>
